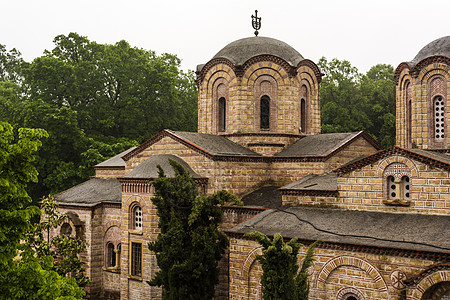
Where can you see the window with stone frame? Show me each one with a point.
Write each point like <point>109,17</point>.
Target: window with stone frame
<point>136,259</point>
<point>136,217</point>
<point>304,100</point>
<point>439,118</point>
<point>110,256</point>
<point>222,114</point>
<point>437,93</point>
<point>408,114</point>
<point>397,184</point>
<point>265,113</point>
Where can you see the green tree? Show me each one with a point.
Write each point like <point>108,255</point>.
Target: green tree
<point>190,244</point>
<point>351,101</point>
<point>65,250</point>
<point>117,90</point>
<point>280,278</point>
<point>22,276</point>
<point>10,65</point>
<point>95,100</point>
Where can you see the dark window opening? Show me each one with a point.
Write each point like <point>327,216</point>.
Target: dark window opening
<point>265,113</point>
<point>111,255</point>
<point>136,259</point>
<point>303,115</point>
<point>66,229</point>
<point>222,114</point>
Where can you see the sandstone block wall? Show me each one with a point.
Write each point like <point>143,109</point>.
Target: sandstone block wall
<point>335,272</point>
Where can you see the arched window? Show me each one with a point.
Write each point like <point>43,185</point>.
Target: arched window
<point>265,113</point>
<point>439,118</point>
<point>66,229</point>
<point>136,218</point>
<point>397,184</point>
<point>110,256</point>
<point>222,114</point>
<point>408,114</point>
<point>303,115</point>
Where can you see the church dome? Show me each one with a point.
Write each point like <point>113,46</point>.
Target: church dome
<point>238,52</point>
<point>437,47</point>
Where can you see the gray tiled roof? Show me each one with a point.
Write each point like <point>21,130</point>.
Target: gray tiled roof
<point>440,46</point>
<point>443,157</point>
<point>267,196</point>
<point>404,231</point>
<point>317,145</point>
<point>325,182</point>
<point>148,168</point>
<point>115,161</point>
<point>91,192</point>
<point>214,144</point>
<point>239,51</point>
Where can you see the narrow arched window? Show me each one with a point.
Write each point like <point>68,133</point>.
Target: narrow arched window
<point>406,187</point>
<point>303,115</point>
<point>439,118</point>
<point>408,115</point>
<point>391,187</point>
<point>136,217</point>
<point>110,255</point>
<point>265,113</point>
<point>222,114</point>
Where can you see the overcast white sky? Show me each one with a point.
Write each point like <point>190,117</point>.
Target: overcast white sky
<point>364,32</point>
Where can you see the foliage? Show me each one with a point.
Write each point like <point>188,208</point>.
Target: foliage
<point>351,101</point>
<point>10,65</point>
<point>280,279</point>
<point>64,250</point>
<point>190,244</point>
<point>94,100</point>
<point>22,275</point>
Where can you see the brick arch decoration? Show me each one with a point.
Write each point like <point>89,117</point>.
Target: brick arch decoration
<point>267,68</point>
<point>309,67</point>
<point>212,66</point>
<point>427,279</point>
<point>136,199</point>
<point>109,225</point>
<point>349,290</point>
<point>431,70</point>
<point>403,67</point>
<point>266,59</point>
<point>432,62</point>
<point>384,163</point>
<point>248,262</point>
<point>208,84</point>
<point>345,260</point>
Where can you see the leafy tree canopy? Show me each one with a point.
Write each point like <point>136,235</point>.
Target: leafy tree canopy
<point>22,275</point>
<point>190,244</point>
<point>94,100</point>
<point>351,101</point>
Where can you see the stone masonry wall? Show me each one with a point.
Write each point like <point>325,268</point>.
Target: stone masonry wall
<point>365,189</point>
<point>335,272</point>
<point>262,78</point>
<point>422,112</point>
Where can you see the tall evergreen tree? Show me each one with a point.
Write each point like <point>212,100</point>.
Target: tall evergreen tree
<point>280,279</point>
<point>190,243</point>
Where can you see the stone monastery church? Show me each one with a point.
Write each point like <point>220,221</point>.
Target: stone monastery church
<point>383,214</point>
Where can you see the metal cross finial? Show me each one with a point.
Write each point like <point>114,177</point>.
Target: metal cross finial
<point>256,22</point>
